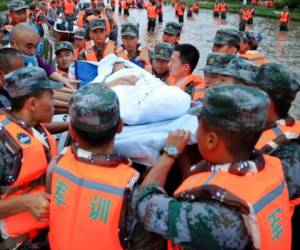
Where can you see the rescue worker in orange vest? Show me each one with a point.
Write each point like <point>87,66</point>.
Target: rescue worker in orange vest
<point>26,148</point>
<point>171,33</point>
<point>104,179</point>
<point>190,10</point>
<point>196,7</point>
<point>160,60</point>
<point>223,10</point>
<point>79,42</point>
<point>17,13</point>
<point>227,41</point>
<point>64,57</point>
<point>120,6</point>
<point>183,61</point>
<point>99,46</point>
<point>125,6</point>
<point>180,11</point>
<point>244,17</point>
<point>113,5</point>
<point>251,13</point>
<point>52,13</point>
<point>131,49</point>
<point>249,45</point>
<point>151,13</point>
<point>214,208</point>
<point>112,24</point>
<point>160,11</point>
<point>69,11</point>
<point>216,10</point>
<point>284,19</point>
<point>282,133</point>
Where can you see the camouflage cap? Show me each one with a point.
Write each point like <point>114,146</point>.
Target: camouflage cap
<point>94,108</point>
<point>252,37</point>
<point>228,36</point>
<point>217,62</point>
<point>241,69</point>
<point>63,45</point>
<point>163,51</point>
<point>98,23</point>
<point>173,28</point>
<point>234,108</point>
<point>24,81</point>
<point>130,29</point>
<point>3,21</point>
<point>89,11</point>
<point>279,81</point>
<point>80,34</point>
<point>16,5</point>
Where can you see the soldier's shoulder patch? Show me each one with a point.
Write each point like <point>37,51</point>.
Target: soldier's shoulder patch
<point>23,138</point>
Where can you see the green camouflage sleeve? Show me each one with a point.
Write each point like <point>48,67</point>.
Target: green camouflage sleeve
<point>6,159</point>
<point>289,155</point>
<point>197,225</point>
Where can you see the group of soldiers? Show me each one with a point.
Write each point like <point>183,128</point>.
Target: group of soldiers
<point>237,188</point>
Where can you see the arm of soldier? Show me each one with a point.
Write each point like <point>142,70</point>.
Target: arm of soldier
<point>55,76</point>
<point>289,155</point>
<point>57,127</point>
<point>203,225</point>
<point>158,174</point>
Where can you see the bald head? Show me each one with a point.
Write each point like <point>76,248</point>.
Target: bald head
<point>24,38</point>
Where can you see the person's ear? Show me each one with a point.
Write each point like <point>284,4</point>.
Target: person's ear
<point>120,126</point>
<point>212,141</point>
<point>31,104</point>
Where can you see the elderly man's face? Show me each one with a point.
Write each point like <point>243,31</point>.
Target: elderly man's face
<point>27,44</point>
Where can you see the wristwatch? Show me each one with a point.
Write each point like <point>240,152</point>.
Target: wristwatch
<point>171,151</point>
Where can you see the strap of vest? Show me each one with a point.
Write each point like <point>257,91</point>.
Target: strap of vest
<point>213,192</point>
<point>13,242</point>
<point>6,190</point>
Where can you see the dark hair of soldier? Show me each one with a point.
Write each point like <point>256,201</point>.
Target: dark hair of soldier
<point>18,103</point>
<point>7,56</point>
<point>97,139</point>
<point>240,144</point>
<point>188,54</point>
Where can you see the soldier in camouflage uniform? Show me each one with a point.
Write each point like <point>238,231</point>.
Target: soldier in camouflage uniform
<point>171,33</point>
<point>208,224</point>
<point>161,57</point>
<point>282,85</point>
<point>227,41</point>
<point>95,120</point>
<point>64,57</point>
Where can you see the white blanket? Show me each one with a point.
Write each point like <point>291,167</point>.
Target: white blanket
<point>150,100</point>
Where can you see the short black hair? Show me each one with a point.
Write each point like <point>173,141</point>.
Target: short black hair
<point>18,103</point>
<point>97,139</point>
<point>237,143</point>
<point>7,55</point>
<point>282,109</point>
<point>189,54</point>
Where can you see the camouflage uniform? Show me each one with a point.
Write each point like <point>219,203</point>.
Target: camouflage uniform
<point>282,84</point>
<point>17,5</point>
<point>207,224</point>
<point>253,38</point>
<point>63,45</point>
<point>162,51</point>
<point>173,28</point>
<point>95,108</point>
<point>228,36</point>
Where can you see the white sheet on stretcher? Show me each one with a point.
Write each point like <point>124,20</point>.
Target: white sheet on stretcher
<point>142,144</point>
<point>150,100</point>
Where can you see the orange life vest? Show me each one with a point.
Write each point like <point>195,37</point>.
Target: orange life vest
<point>77,53</point>
<point>142,52</point>
<point>216,7</point>
<point>125,5</point>
<point>284,17</point>
<point>244,14</point>
<point>88,201</point>
<point>198,88</point>
<point>151,9</point>
<point>263,201</point>
<point>91,17</point>
<point>80,19</point>
<point>223,7</point>
<point>90,55</point>
<point>180,10</point>
<point>69,8</point>
<point>251,13</point>
<point>256,57</point>
<point>272,137</point>
<point>30,179</point>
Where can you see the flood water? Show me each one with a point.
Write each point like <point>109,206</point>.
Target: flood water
<point>200,30</point>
